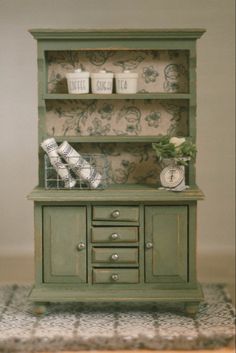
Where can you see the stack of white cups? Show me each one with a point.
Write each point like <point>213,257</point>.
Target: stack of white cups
<point>50,147</point>
<point>79,165</point>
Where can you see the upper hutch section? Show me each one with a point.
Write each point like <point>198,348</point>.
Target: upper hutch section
<point>162,58</point>
<point>165,103</point>
<point>165,61</point>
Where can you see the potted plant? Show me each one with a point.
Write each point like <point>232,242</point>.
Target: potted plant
<point>174,153</point>
<point>177,149</point>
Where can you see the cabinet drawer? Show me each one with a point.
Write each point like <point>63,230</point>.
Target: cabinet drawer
<point>115,256</point>
<point>116,276</point>
<point>115,235</point>
<point>116,213</point>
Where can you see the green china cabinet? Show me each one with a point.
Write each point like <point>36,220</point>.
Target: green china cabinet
<point>129,241</point>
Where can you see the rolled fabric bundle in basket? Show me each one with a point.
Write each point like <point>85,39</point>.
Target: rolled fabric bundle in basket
<point>50,147</point>
<point>79,165</point>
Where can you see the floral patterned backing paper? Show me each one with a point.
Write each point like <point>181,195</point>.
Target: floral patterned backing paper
<point>158,70</point>
<point>127,163</point>
<point>116,117</point>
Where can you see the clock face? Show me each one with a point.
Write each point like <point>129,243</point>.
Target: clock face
<point>172,176</point>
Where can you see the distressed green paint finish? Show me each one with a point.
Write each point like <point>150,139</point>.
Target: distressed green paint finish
<point>64,229</point>
<point>141,244</point>
<point>42,79</point>
<point>126,44</point>
<point>166,229</point>
<point>114,293</point>
<point>115,276</point>
<point>64,218</point>
<point>192,107</point>
<point>119,213</point>
<point>115,235</point>
<point>81,287</point>
<point>58,96</point>
<point>89,244</point>
<point>116,35</point>
<point>116,193</point>
<point>38,244</point>
<point>107,139</point>
<point>113,256</point>
<point>192,242</point>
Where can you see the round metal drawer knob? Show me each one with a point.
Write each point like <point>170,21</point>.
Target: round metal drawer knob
<point>81,246</point>
<point>114,277</point>
<point>114,236</point>
<point>115,214</point>
<point>149,245</point>
<point>115,257</point>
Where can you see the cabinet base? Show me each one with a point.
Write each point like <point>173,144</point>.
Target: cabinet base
<point>189,296</point>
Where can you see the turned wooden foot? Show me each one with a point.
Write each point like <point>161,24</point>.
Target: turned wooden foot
<point>39,309</point>
<point>191,309</point>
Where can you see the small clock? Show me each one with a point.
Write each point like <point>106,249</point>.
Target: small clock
<point>172,176</point>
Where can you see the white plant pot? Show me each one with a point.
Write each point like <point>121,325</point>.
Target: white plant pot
<point>102,82</point>
<point>126,82</point>
<point>78,82</point>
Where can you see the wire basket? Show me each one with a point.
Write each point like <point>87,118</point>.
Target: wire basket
<point>96,167</point>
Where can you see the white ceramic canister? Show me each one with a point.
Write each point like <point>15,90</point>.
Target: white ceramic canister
<point>102,82</point>
<point>126,82</point>
<point>50,147</point>
<point>78,81</point>
<point>79,165</point>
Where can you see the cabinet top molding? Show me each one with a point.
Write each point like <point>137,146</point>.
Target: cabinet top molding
<point>117,33</point>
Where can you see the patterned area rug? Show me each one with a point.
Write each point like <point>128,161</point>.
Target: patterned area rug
<point>76,326</point>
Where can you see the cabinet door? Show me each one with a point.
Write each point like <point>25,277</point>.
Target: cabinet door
<point>64,228</point>
<point>166,248</point>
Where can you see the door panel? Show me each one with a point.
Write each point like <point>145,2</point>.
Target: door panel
<point>166,232</point>
<point>64,228</point>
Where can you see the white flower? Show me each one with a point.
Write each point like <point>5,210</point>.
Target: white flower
<point>177,141</point>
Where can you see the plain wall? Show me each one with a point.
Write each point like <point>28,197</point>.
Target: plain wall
<point>215,112</point>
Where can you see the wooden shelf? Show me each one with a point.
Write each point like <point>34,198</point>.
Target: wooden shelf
<point>65,96</point>
<point>105,139</point>
<point>117,193</point>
